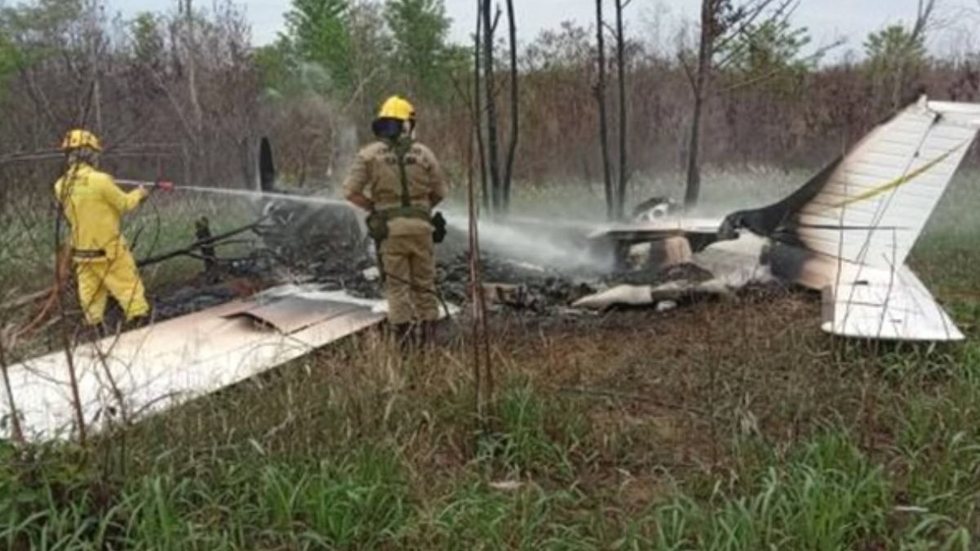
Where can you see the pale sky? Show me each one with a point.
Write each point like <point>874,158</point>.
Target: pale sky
<point>826,19</point>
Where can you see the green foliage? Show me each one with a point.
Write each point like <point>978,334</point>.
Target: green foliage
<point>50,496</point>
<point>318,31</point>
<point>828,496</point>
<point>42,19</point>
<point>357,502</point>
<point>478,517</point>
<point>770,55</point>
<point>9,59</point>
<point>769,46</point>
<point>938,452</point>
<point>893,46</point>
<point>31,32</point>
<point>367,50</point>
<point>371,52</point>
<point>523,442</point>
<point>275,65</point>
<point>895,57</point>
<point>148,44</point>
<point>419,29</point>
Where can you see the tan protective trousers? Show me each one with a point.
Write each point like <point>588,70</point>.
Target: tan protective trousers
<point>409,265</point>
<point>99,278</point>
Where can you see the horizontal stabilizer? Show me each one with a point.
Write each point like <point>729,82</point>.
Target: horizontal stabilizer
<point>884,304</point>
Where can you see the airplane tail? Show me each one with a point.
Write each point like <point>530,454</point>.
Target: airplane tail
<point>852,226</point>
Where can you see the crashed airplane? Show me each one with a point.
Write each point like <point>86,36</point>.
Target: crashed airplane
<point>847,232</point>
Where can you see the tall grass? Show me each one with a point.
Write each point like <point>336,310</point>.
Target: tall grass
<point>359,502</point>
<point>826,496</point>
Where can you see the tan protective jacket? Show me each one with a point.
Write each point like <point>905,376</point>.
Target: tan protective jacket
<point>375,174</point>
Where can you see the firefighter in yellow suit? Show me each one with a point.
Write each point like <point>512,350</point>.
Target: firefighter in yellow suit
<point>398,181</point>
<point>94,205</point>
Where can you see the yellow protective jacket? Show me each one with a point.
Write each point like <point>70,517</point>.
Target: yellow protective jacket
<point>94,205</point>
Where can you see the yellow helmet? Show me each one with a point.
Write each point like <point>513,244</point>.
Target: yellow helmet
<point>397,107</point>
<point>79,138</point>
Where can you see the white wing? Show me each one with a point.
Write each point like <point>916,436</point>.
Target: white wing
<point>175,360</point>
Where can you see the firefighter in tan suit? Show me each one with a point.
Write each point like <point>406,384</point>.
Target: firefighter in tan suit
<point>399,181</point>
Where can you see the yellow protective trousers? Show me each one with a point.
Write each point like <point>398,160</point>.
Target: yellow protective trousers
<point>117,276</point>
<point>409,264</point>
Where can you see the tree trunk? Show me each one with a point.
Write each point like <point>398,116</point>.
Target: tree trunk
<point>191,69</point>
<point>492,149</point>
<point>477,107</point>
<point>96,83</point>
<point>693,190</point>
<point>16,432</point>
<point>198,117</point>
<point>700,84</point>
<point>621,69</point>
<point>600,95</point>
<point>514,107</point>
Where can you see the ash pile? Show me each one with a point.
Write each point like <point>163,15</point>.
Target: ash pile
<point>292,242</point>
<point>512,285</point>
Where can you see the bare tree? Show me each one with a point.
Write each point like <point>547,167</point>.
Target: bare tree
<point>923,15</point>
<point>96,49</point>
<point>493,155</point>
<point>600,96</point>
<point>17,433</point>
<point>623,123</point>
<point>722,21</point>
<point>477,109</point>
<point>190,54</point>
<point>514,106</point>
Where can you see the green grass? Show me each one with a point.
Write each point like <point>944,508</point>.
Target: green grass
<point>827,495</point>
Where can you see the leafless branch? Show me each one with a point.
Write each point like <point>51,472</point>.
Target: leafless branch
<point>496,20</point>
<point>688,70</point>
<point>17,432</point>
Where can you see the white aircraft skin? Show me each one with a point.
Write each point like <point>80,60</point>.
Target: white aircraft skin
<point>848,231</point>
<point>126,377</point>
<point>668,225</point>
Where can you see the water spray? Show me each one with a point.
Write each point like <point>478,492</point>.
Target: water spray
<point>534,241</point>
<point>521,238</point>
<point>246,193</point>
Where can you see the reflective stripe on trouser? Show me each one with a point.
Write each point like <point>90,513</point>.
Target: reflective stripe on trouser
<point>410,282</point>
<point>97,279</point>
